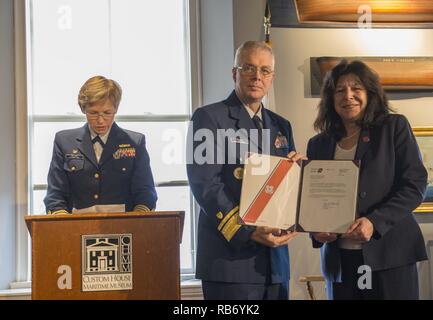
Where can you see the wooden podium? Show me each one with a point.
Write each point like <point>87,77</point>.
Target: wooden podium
<point>106,256</point>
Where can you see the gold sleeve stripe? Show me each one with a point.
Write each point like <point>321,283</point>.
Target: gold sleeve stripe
<point>227,217</point>
<point>58,212</point>
<point>231,227</point>
<point>141,207</point>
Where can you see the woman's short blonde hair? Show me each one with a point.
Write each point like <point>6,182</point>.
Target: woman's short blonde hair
<point>98,89</point>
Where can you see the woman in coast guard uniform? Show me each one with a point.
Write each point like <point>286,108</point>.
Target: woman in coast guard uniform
<point>100,167</point>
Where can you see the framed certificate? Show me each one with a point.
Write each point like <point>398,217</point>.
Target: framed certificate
<point>306,196</point>
<point>328,195</point>
<point>270,191</point>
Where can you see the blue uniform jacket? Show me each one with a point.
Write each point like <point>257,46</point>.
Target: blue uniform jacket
<point>122,176</point>
<point>225,252</point>
<point>392,183</point>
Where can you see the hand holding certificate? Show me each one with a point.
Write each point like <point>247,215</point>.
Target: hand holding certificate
<point>361,230</point>
<point>311,196</point>
<point>272,237</point>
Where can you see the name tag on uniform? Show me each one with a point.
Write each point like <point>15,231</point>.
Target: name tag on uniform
<point>74,156</point>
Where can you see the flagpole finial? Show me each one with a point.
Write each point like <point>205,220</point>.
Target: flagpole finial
<point>267,23</point>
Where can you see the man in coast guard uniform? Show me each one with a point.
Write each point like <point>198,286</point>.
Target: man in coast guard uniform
<point>100,167</point>
<point>236,261</point>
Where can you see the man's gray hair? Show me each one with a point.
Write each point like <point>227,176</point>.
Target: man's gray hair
<point>249,46</point>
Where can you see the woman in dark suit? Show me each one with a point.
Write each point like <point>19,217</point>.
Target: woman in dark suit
<point>376,258</point>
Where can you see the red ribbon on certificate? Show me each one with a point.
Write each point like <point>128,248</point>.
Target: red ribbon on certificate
<point>267,190</point>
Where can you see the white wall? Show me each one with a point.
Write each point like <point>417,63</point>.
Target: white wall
<point>7,143</point>
<point>293,48</point>
<point>248,20</point>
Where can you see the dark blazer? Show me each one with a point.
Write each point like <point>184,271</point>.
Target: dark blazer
<point>225,251</point>
<point>392,184</point>
<point>122,176</point>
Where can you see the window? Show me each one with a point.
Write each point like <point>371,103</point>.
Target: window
<point>145,47</point>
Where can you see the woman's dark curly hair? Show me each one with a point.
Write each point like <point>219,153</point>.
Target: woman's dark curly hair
<point>328,121</point>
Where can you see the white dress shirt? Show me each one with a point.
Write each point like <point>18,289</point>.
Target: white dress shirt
<point>97,146</point>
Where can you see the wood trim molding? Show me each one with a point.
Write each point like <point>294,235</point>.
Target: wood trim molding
<point>346,11</point>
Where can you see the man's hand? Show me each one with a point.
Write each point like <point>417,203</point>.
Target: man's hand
<point>324,237</point>
<point>294,156</point>
<point>272,237</point>
<point>361,230</point>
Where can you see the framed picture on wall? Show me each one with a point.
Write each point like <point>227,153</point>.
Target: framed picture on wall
<point>397,74</point>
<point>424,137</point>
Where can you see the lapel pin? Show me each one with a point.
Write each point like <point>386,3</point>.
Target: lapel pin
<point>366,139</point>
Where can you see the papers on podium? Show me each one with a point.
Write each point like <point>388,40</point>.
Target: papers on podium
<point>310,196</point>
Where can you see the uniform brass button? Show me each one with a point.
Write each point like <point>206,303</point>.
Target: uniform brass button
<point>238,173</point>
<point>96,196</point>
<point>96,175</point>
<point>73,168</point>
<point>123,169</point>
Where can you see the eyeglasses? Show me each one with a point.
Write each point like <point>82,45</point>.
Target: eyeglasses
<point>250,70</point>
<point>95,115</point>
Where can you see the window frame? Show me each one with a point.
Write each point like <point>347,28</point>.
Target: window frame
<point>24,123</point>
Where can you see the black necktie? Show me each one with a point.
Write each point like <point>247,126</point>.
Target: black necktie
<point>98,139</point>
<point>259,126</point>
<point>258,122</point>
